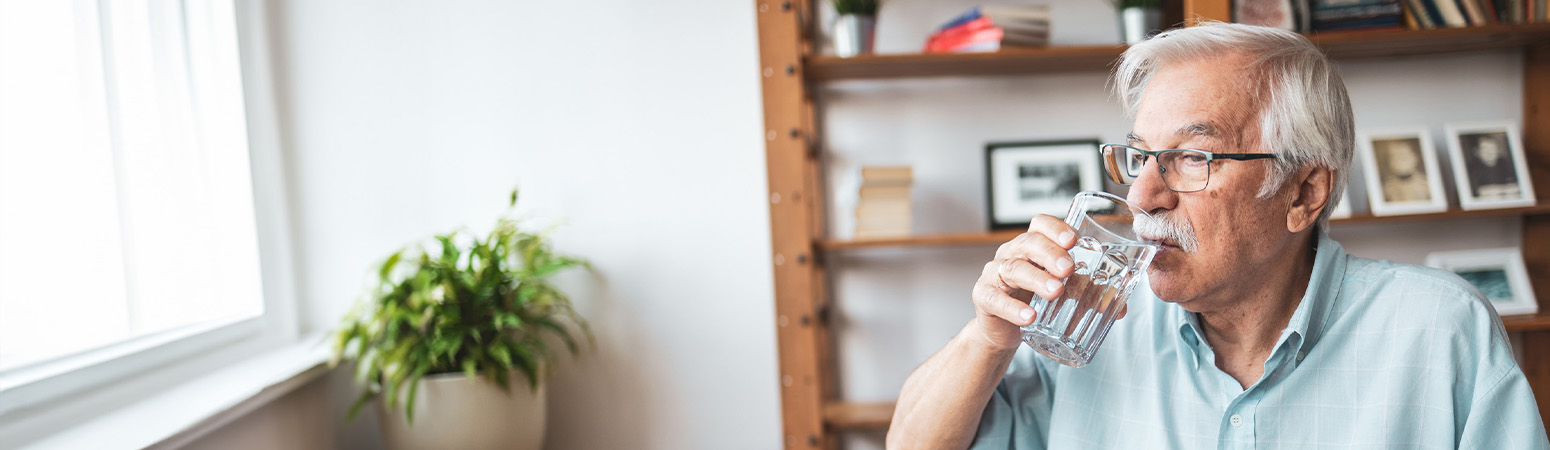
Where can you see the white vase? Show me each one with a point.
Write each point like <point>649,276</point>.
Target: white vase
<point>853,35</point>
<point>1138,23</point>
<point>452,411</point>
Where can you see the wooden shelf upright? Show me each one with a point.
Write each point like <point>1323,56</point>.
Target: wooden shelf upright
<point>811,412</point>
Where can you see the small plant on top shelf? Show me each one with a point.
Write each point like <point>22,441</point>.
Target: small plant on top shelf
<point>1120,5</point>
<point>858,7</point>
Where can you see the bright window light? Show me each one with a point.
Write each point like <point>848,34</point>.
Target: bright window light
<point>126,205</point>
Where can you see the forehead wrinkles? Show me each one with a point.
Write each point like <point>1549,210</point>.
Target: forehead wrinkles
<point>1228,93</point>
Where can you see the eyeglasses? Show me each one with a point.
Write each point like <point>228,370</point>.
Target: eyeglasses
<point>1182,170</point>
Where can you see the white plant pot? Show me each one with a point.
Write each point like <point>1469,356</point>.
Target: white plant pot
<point>453,411</point>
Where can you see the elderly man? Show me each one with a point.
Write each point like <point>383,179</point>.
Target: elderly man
<point>1253,328</point>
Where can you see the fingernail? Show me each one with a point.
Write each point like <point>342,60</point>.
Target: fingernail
<point>1067,236</point>
<point>1063,264</point>
<point>1052,285</point>
<point>1025,314</point>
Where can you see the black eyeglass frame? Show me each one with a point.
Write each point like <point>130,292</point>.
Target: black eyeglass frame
<point>1115,175</point>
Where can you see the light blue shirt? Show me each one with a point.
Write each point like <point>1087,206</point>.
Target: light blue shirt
<point>1377,355</point>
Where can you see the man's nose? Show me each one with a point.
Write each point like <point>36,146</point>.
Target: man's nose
<point>1149,192</point>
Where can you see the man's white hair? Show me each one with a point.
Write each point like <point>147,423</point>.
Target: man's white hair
<point>1305,114</point>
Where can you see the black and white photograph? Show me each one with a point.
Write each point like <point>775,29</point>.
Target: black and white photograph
<point>1489,170</point>
<point>1024,179</point>
<point>1402,173</point>
<point>1498,273</point>
<point>1040,182</point>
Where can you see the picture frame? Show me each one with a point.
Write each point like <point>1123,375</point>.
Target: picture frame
<point>1489,168</point>
<point>1498,273</point>
<point>1027,178</point>
<point>1400,165</point>
<point>1343,208</point>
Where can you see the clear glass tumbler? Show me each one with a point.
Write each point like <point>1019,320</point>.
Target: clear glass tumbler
<point>1110,259</point>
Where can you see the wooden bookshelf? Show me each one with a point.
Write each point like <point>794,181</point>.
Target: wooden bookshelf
<point>998,237</point>
<point>1099,58</point>
<point>811,410</point>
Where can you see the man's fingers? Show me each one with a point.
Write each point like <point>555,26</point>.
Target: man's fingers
<point>1055,229</point>
<point>997,302</point>
<point>1021,274</point>
<point>1045,254</point>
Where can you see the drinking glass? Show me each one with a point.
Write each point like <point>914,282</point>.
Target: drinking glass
<point>1110,259</point>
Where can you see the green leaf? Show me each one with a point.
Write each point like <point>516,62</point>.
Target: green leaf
<point>387,266</point>
<point>355,408</point>
<point>513,202</point>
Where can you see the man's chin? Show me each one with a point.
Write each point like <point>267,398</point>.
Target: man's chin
<point>1163,283</point>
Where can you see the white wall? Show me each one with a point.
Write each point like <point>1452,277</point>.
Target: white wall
<point>636,123</point>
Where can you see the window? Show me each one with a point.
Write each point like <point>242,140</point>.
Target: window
<point>127,214</point>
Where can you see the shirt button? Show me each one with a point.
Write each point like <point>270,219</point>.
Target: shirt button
<point>1301,355</point>
<point>1237,420</point>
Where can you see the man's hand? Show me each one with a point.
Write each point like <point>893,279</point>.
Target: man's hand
<point>1032,263</point>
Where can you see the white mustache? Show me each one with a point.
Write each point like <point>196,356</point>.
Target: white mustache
<point>1168,228</point>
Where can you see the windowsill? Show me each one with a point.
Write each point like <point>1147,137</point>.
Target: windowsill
<point>184,413</point>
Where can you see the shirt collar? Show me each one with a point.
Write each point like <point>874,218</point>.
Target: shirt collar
<point>1307,320</point>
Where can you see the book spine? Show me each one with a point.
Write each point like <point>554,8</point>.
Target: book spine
<point>1472,12</point>
<point>966,17</point>
<point>1450,13</point>
<point>1418,12</point>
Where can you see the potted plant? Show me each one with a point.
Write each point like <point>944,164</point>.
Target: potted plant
<point>1138,19</point>
<point>450,325</point>
<point>854,27</point>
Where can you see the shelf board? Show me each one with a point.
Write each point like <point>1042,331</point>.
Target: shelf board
<point>1370,44</point>
<point>1005,62</point>
<point>1530,322</point>
<point>1445,215</point>
<point>998,237</point>
<point>858,416</point>
<point>1099,58</point>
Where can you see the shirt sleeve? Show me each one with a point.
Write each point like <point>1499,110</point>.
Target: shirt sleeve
<point>1017,416</point>
<point>1504,416</point>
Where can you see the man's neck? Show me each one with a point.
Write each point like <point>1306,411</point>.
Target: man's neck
<point>1243,335</point>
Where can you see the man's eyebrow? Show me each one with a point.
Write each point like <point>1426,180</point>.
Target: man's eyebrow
<point>1206,129</point>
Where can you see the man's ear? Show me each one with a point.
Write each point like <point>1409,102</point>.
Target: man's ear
<point>1314,185</point>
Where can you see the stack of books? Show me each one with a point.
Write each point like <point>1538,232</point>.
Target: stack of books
<point>992,27</point>
<point>1337,15</point>
<point>1349,15</point>
<point>884,207</point>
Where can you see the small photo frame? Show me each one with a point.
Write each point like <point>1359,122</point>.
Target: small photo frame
<point>1489,169</point>
<point>1401,170</point>
<point>1498,273</point>
<point>1025,179</point>
<point>1342,209</point>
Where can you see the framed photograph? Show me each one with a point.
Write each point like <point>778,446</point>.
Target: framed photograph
<point>1024,179</point>
<point>1342,209</point>
<point>1401,169</point>
<point>1489,169</point>
<point>1497,272</point>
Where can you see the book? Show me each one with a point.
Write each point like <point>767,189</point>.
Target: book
<point>1417,13</point>
<point>873,175</point>
<point>1330,15</point>
<point>1000,14</point>
<point>991,27</point>
<point>884,207</point>
<point>1472,12</point>
<point>1451,14</point>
